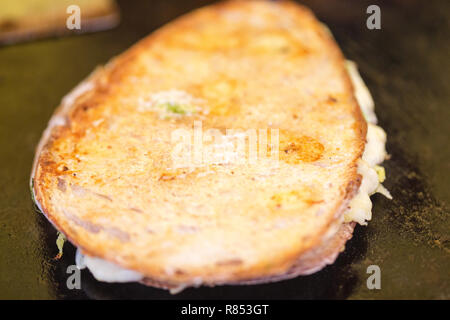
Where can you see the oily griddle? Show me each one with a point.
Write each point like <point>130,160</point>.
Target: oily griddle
<point>406,237</point>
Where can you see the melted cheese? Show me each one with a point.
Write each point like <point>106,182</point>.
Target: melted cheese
<point>106,271</point>
<point>362,93</point>
<point>360,207</point>
<point>375,150</point>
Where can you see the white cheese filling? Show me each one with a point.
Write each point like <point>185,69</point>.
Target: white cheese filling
<point>106,271</point>
<point>360,207</point>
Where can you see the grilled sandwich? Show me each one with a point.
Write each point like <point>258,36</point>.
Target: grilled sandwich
<point>234,145</point>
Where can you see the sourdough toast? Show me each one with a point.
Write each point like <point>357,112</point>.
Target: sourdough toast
<point>105,175</point>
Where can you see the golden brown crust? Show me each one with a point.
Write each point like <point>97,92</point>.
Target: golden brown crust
<point>313,261</point>
<point>256,65</point>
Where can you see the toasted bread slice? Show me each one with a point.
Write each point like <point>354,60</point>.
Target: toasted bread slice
<point>105,173</point>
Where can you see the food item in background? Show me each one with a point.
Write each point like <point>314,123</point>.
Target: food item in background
<point>26,20</point>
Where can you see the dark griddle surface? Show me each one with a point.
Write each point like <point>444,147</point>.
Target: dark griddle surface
<point>405,65</point>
